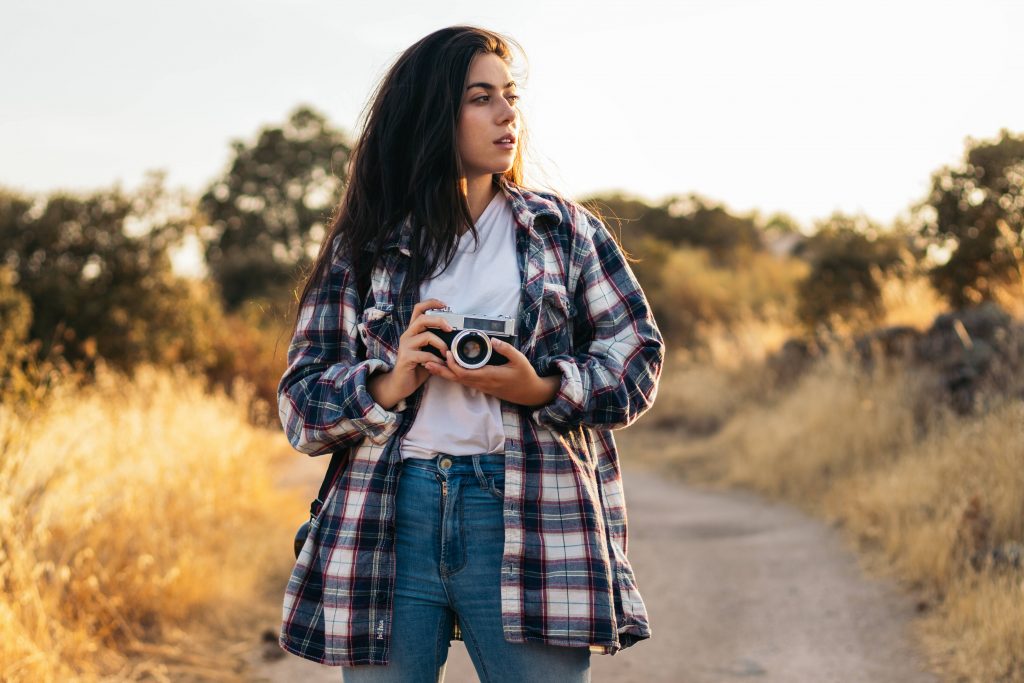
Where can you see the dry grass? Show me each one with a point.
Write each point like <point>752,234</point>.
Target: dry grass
<point>912,301</point>
<point>920,491</point>
<point>139,528</point>
<point>955,495</point>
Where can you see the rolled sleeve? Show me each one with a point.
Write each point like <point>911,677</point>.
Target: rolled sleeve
<point>323,400</point>
<point>610,379</point>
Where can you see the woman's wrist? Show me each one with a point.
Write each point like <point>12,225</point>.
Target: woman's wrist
<point>547,389</point>
<point>381,388</point>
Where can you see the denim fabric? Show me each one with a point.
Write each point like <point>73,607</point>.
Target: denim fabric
<point>449,536</point>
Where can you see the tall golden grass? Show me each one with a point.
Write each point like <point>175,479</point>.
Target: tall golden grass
<point>139,526</point>
<point>924,494</point>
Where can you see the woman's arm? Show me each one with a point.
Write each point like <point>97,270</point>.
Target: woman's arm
<point>323,400</point>
<point>613,379</point>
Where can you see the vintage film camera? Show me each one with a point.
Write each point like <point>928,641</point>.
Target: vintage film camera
<point>470,338</point>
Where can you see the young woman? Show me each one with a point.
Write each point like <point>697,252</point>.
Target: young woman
<point>479,503</point>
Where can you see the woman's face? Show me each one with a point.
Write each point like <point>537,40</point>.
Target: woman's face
<point>488,113</point>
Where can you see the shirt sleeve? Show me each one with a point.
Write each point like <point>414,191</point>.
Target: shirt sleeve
<point>611,379</point>
<point>323,401</point>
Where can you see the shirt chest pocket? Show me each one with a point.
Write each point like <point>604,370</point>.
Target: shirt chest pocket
<point>378,330</point>
<point>556,320</point>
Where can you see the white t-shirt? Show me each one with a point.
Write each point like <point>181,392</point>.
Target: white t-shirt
<point>453,418</point>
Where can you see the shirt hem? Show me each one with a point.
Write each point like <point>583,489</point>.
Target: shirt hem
<point>286,645</point>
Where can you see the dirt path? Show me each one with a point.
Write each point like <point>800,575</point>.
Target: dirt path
<point>738,589</point>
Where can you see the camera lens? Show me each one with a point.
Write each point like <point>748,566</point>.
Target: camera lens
<point>471,349</point>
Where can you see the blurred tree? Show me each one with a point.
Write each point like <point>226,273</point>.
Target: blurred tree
<point>976,212</point>
<point>271,210</point>
<point>849,258</point>
<point>630,220</point>
<point>689,220</point>
<point>15,320</point>
<point>15,316</point>
<point>781,233</point>
<point>98,275</point>
<point>721,233</point>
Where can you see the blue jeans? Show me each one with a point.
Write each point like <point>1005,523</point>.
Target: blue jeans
<point>450,535</point>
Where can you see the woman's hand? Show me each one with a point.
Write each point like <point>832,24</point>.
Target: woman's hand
<point>388,388</point>
<point>515,382</point>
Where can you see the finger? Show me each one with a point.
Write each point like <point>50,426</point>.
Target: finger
<point>418,341</point>
<point>424,358</point>
<point>426,305</point>
<point>504,349</point>
<point>426,321</point>
<point>435,368</point>
<point>454,366</point>
<point>514,355</point>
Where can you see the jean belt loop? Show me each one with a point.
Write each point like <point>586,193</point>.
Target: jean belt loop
<point>480,477</point>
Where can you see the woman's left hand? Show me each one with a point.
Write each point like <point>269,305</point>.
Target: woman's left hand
<point>515,381</point>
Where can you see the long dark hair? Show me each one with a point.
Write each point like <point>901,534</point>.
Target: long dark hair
<point>406,160</point>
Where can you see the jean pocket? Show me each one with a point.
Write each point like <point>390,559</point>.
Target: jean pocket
<point>496,485</point>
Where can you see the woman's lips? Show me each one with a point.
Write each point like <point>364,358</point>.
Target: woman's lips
<point>506,145</point>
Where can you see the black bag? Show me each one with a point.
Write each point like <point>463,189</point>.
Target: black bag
<point>338,458</point>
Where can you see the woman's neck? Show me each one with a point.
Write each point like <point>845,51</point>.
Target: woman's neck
<point>479,192</point>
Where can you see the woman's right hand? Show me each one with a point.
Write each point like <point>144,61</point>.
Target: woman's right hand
<point>388,388</point>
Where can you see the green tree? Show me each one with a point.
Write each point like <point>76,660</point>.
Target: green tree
<point>849,256</point>
<point>977,211</point>
<point>689,220</point>
<point>271,209</point>
<point>97,273</point>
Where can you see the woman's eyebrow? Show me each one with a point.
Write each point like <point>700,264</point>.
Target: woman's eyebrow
<point>488,86</point>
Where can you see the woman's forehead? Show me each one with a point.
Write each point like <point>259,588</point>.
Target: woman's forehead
<point>491,69</point>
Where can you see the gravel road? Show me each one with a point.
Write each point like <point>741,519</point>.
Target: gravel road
<point>738,589</point>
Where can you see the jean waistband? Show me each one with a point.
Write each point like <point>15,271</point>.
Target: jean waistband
<point>459,464</point>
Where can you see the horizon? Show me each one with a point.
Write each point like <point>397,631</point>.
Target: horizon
<point>843,108</point>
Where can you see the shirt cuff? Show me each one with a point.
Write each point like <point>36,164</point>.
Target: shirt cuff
<point>567,405</point>
<point>375,421</point>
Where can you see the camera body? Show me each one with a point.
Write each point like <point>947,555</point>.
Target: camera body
<point>470,338</point>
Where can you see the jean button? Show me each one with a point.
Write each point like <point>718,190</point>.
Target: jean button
<point>445,463</point>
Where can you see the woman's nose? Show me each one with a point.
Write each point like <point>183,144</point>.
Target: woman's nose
<point>509,114</point>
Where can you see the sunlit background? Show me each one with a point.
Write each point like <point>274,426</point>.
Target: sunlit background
<point>829,347</point>
<point>797,106</point>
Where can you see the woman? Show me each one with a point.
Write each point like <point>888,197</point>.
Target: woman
<point>478,503</point>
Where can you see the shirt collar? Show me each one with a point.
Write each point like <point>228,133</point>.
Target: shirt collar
<point>526,205</point>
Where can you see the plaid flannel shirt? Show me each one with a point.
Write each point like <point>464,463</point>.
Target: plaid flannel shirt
<point>565,576</point>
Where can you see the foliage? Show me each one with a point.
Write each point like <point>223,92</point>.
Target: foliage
<point>97,272</point>
<point>684,221</point>
<point>23,376</point>
<point>269,211</point>
<point>850,257</point>
<point>693,294</point>
<point>141,530</point>
<point>977,211</point>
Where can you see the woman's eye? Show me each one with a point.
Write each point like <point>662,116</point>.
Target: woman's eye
<point>487,97</point>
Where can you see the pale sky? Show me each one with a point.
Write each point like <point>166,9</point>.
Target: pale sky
<point>796,106</point>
